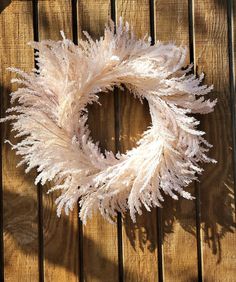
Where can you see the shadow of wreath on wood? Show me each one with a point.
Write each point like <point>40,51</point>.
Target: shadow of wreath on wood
<point>217,222</point>
<point>23,229</point>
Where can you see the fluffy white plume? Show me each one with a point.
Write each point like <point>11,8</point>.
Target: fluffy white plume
<point>51,117</point>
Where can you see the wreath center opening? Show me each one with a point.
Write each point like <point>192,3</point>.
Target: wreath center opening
<point>126,120</point>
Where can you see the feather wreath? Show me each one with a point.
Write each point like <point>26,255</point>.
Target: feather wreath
<point>51,118</point>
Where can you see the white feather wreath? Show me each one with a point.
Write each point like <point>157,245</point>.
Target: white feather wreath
<point>51,117</point>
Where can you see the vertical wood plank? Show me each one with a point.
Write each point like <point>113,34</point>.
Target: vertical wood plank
<point>139,240</point>
<point>178,217</point>
<point>217,183</point>
<point>100,237</point>
<point>61,262</point>
<point>20,211</point>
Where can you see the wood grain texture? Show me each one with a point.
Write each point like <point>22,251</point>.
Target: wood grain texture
<point>178,217</point>
<point>61,252</point>
<point>217,183</point>
<point>139,239</point>
<point>20,195</point>
<point>100,237</point>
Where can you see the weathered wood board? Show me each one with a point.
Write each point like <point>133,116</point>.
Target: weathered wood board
<point>60,235</point>
<point>20,208</point>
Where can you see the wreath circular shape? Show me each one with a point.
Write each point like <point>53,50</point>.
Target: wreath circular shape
<point>51,118</point>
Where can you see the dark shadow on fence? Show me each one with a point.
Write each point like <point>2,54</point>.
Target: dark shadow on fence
<point>4,4</point>
<point>218,220</point>
<point>23,229</point>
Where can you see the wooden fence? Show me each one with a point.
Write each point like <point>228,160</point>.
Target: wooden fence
<point>184,241</point>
